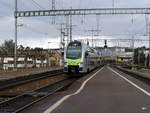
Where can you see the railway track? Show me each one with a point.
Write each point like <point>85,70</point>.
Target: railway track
<point>14,89</point>
<point>21,102</point>
<point>23,80</point>
<point>135,75</point>
<point>24,100</point>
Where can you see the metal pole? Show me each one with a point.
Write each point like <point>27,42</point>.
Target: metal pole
<point>92,39</point>
<point>53,4</point>
<point>53,8</point>
<point>15,52</point>
<point>113,3</point>
<point>61,36</point>
<point>49,62</point>
<point>149,44</point>
<point>133,51</point>
<point>70,28</point>
<point>67,26</point>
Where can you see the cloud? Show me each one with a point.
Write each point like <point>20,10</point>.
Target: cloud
<point>43,42</point>
<point>7,27</point>
<point>39,29</point>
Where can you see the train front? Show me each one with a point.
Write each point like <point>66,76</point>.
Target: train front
<point>73,58</point>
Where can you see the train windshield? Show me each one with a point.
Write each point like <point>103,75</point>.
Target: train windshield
<point>74,50</point>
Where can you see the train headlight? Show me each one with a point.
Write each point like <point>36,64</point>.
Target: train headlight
<point>65,63</point>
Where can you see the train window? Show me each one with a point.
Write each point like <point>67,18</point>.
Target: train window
<point>74,50</point>
<point>74,45</point>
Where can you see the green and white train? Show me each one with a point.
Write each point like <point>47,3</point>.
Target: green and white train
<point>80,58</point>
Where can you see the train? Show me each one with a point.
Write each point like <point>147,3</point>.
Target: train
<point>80,58</point>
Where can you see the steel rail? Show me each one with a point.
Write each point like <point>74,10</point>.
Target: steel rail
<point>21,82</point>
<point>30,99</point>
<point>135,75</point>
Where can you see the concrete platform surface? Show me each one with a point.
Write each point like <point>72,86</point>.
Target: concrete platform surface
<point>106,92</point>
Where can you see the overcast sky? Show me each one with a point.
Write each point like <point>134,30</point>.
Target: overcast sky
<point>38,31</point>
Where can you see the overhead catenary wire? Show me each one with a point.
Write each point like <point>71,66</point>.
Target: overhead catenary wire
<point>147,24</point>
<point>37,4</point>
<point>35,30</point>
<point>25,5</point>
<point>34,1</point>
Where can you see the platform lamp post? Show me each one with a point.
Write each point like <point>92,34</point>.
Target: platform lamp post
<point>15,51</point>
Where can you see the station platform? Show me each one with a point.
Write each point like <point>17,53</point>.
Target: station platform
<point>106,92</point>
<point>11,75</point>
